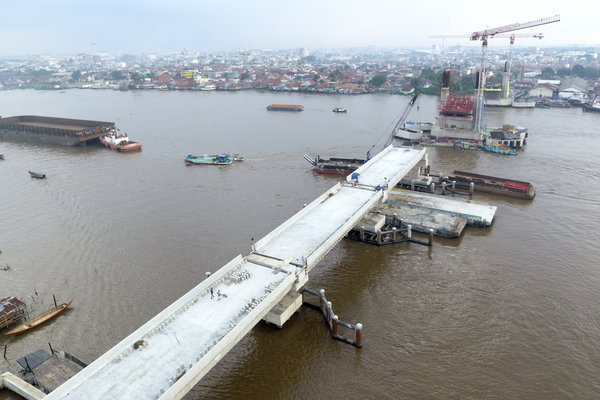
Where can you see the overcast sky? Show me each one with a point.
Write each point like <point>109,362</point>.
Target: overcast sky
<point>65,27</point>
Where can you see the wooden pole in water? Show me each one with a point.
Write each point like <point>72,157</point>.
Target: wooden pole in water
<point>359,335</point>
<point>54,297</point>
<point>453,186</point>
<point>5,346</point>
<point>430,237</point>
<point>334,325</point>
<point>394,233</point>
<point>443,188</point>
<point>471,188</point>
<point>379,237</point>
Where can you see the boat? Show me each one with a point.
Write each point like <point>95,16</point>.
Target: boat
<point>421,126</point>
<point>593,105</point>
<point>339,110</point>
<point>43,317</point>
<point>1,156</point>
<point>492,184</point>
<point>117,140</point>
<point>334,165</point>
<point>37,175</point>
<point>509,135</point>
<point>523,104</point>
<point>212,159</point>
<point>285,107</point>
<point>499,148</point>
<point>409,134</point>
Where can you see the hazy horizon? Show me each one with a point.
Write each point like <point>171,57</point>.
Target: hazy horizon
<point>66,27</point>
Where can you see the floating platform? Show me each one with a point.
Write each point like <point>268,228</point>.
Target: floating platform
<point>52,130</point>
<point>476,213</point>
<point>48,371</point>
<point>426,213</point>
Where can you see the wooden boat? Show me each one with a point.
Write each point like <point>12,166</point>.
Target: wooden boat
<point>43,317</point>
<point>212,159</point>
<point>37,175</point>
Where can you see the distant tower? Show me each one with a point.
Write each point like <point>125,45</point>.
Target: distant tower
<point>303,52</point>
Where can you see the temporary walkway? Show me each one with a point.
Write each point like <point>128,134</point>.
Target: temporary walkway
<point>168,355</point>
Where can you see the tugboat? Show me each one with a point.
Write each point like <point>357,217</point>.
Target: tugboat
<point>116,140</point>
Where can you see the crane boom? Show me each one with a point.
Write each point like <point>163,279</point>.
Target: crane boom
<point>483,35</point>
<point>401,120</point>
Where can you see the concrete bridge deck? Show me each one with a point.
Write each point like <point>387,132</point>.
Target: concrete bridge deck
<point>167,356</point>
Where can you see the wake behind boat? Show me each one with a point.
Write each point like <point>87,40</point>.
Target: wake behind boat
<point>43,317</point>
<point>116,140</point>
<point>212,159</point>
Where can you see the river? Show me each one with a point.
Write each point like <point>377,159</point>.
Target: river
<point>509,311</point>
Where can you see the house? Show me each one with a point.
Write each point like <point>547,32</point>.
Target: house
<point>545,90</point>
<point>575,88</point>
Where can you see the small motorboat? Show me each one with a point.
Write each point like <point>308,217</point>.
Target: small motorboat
<point>43,317</point>
<point>37,175</point>
<point>1,156</point>
<point>339,110</point>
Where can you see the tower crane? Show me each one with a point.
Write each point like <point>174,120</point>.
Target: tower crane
<point>488,34</point>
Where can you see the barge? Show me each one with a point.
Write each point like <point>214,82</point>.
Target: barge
<point>285,107</point>
<point>52,130</point>
<point>334,165</point>
<point>495,185</point>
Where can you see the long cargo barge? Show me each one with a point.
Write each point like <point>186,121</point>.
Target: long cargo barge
<point>52,130</point>
<point>492,184</point>
<point>285,107</point>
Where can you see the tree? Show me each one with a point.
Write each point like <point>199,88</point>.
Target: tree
<point>244,75</point>
<point>76,75</point>
<point>117,75</point>
<point>316,77</point>
<point>548,73</point>
<point>378,79</point>
<point>563,72</point>
<point>579,71</point>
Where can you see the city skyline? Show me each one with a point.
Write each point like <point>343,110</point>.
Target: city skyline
<point>156,26</point>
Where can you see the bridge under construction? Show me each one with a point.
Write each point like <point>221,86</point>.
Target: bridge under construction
<point>168,355</point>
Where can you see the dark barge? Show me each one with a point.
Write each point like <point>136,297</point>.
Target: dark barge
<point>52,130</point>
<point>492,184</point>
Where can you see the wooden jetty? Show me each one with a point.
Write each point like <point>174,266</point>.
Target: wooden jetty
<point>12,310</point>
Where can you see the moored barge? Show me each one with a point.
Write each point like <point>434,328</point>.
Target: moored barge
<point>52,130</point>
<point>492,184</point>
<point>285,107</point>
